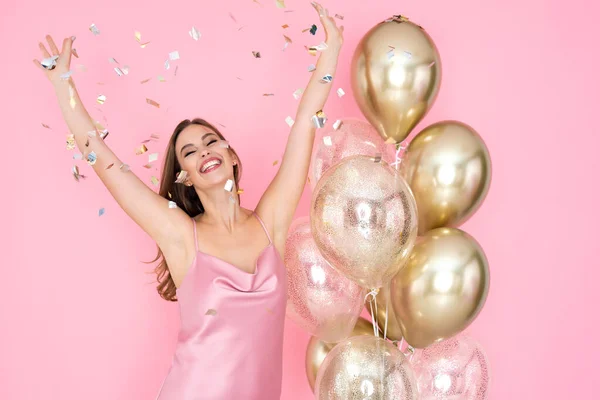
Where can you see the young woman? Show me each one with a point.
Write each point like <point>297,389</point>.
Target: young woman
<point>221,262</point>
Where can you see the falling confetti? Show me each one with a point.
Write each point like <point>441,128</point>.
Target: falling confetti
<point>229,185</point>
<point>138,36</point>
<point>268,94</point>
<point>311,68</point>
<point>152,157</point>
<point>145,80</point>
<point>152,103</point>
<point>74,52</point>
<point>46,126</point>
<point>77,156</point>
<point>176,68</point>
<point>125,168</point>
<point>148,166</point>
<point>161,78</point>
<point>289,120</point>
<point>211,311</point>
<point>70,142</point>
<point>275,162</point>
<point>313,29</point>
<point>154,180</point>
<point>338,16</point>
<point>172,204</point>
<point>337,124</point>
<point>76,174</point>
<point>288,41</point>
<point>174,55</point>
<point>194,33</point>
<point>110,165</point>
<point>326,79</point>
<point>101,212</point>
<point>240,191</point>
<point>340,92</point>
<point>72,101</point>
<point>66,75</point>
<point>181,176</point>
<point>390,54</point>
<point>233,18</point>
<point>141,150</point>
<point>94,29</point>
<point>256,54</point>
<point>285,26</point>
<point>319,119</point>
<point>298,93</point>
<point>327,140</point>
<point>167,64</point>
<point>377,158</point>
<point>91,158</point>
<point>408,54</point>
<point>280,3</point>
<point>101,99</point>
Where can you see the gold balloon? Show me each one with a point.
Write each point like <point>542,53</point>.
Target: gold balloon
<point>394,331</point>
<point>448,168</point>
<point>317,350</point>
<point>441,288</point>
<point>396,74</point>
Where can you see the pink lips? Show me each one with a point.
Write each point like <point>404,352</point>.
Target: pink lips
<point>210,168</point>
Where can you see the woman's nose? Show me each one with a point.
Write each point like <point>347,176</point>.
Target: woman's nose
<point>204,153</point>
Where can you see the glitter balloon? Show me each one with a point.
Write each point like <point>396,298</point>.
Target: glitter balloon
<point>320,299</point>
<point>364,220</point>
<point>453,369</point>
<point>354,137</point>
<point>365,368</point>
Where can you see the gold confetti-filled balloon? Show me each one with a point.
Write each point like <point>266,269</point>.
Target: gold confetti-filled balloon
<point>320,299</point>
<point>364,220</point>
<point>354,137</point>
<point>365,367</point>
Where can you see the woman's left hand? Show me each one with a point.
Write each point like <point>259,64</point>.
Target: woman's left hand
<point>334,34</point>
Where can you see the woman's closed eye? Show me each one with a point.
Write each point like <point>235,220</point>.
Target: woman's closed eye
<point>188,153</point>
<point>211,142</point>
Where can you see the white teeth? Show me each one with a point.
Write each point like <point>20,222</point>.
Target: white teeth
<point>210,164</point>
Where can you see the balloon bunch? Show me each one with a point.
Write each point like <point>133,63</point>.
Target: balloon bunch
<point>383,232</point>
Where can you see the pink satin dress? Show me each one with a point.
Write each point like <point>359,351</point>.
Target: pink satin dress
<point>231,338</point>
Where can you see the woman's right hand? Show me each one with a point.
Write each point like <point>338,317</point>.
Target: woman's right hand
<point>63,62</point>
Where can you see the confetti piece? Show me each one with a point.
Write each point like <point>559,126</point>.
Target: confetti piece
<point>172,204</point>
<point>408,54</point>
<point>94,29</point>
<point>70,142</point>
<point>285,26</point>
<point>181,176</point>
<point>311,68</point>
<point>138,36</point>
<point>432,64</point>
<point>76,174</point>
<point>161,78</point>
<point>152,103</point>
<point>148,166</point>
<point>101,212</point>
<point>287,41</point>
<point>240,191</point>
<point>154,180</point>
<point>319,119</point>
<point>125,168</point>
<point>110,165</point>
<point>46,126</point>
<point>337,124</point>
<point>268,94</point>
<point>152,157</point>
<point>390,54</point>
<point>229,185</point>
<point>143,45</point>
<point>176,68</point>
<point>233,18</point>
<point>167,65</point>
<point>91,133</point>
<point>194,33</point>
<point>141,150</point>
<point>66,75</point>
<point>280,3</point>
<point>91,158</point>
<point>256,54</point>
<point>340,92</point>
<point>377,158</point>
<point>338,16</point>
<point>211,311</point>
<point>174,55</point>
<point>101,99</point>
<point>320,47</point>
<point>77,156</point>
<point>118,71</point>
<point>298,93</point>
<point>112,60</point>
<point>326,79</point>
<point>289,120</point>
<point>145,80</point>
<point>327,140</point>
<point>313,29</point>
<point>275,162</point>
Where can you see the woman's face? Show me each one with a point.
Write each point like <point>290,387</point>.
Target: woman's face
<point>204,156</point>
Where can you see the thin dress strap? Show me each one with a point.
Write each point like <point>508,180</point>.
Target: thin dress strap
<point>195,235</point>
<point>263,225</point>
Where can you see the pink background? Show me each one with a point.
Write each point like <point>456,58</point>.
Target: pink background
<point>80,317</point>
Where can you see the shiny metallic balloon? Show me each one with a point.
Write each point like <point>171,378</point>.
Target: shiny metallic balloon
<point>396,75</point>
<point>363,218</point>
<point>320,299</point>
<point>317,350</point>
<point>456,368</point>
<point>365,367</point>
<point>448,167</point>
<point>354,137</point>
<point>441,288</point>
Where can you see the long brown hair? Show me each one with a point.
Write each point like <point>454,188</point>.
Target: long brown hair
<point>185,197</point>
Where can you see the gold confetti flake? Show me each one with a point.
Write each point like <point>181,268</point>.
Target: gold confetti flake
<point>280,3</point>
<point>256,54</point>
<point>46,126</point>
<point>275,162</point>
<point>268,94</point>
<point>141,150</point>
<point>211,311</point>
<point>152,103</point>
<point>101,99</point>
<point>161,78</point>
<point>138,36</point>
<point>285,26</point>
<point>70,142</point>
<point>143,45</point>
<point>154,180</point>
<point>148,166</point>
<point>319,119</point>
<point>240,191</point>
<point>145,80</point>
<point>72,101</point>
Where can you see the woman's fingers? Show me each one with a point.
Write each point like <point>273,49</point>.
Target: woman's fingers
<point>53,47</point>
<point>44,51</point>
<point>39,65</point>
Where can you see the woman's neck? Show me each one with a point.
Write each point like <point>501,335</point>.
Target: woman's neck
<point>222,208</point>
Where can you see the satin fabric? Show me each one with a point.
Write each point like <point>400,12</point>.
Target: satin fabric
<point>231,337</point>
